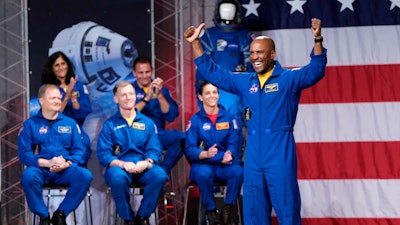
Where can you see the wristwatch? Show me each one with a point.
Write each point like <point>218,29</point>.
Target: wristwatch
<point>150,163</point>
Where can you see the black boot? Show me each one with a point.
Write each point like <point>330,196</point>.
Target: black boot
<point>58,218</point>
<point>213,217</point>
<point>129,222</point>
<point>227,214</point>
<point>142,221</point>
<point>45,221</point>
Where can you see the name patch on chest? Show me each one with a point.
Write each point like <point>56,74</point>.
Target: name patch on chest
<point>271,88</point>
<point>64,129</point>
<point>139,126</point>
<point>222,126</point>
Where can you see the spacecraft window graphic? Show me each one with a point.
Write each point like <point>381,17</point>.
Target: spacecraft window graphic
<point>101,56</point>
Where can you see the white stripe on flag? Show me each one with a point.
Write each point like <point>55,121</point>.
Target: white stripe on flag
<point>369,45</point>
<point>348,122</point>
<point>370,198</point>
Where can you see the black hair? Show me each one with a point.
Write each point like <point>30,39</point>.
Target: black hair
<point>202,85</point>
<point>141,59</point>
<point>48,76</point>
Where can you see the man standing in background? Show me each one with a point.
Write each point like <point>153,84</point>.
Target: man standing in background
<point>155,101</point>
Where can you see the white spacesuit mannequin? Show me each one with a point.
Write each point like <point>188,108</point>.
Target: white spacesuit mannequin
<point>228,44</point>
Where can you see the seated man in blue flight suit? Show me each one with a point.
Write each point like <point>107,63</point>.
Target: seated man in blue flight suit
<point>51,149</point>
<point>75,102</point>
<point>214,152</point>
<point>129,149</point>
<point>155,101</point>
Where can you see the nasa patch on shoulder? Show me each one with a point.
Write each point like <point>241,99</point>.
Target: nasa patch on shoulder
<point>189,124</point>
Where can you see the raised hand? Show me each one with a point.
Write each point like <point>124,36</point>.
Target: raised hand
<point>316,27</point>
<point>71,86</point>
<point>192,33</point>
<point>212,151</point>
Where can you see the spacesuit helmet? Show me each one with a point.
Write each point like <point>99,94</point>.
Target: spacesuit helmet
<point>227,14</point>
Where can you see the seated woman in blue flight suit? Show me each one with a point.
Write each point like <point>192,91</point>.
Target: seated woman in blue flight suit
<point>59,70</point>
<point>213,149</point>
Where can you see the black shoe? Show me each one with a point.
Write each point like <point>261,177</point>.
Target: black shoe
<point>213,217</point>
<point>142,221</point>
<point>58,218</point>
<point>45,221</point>
<point>129,222</point>
<point>227,214</point>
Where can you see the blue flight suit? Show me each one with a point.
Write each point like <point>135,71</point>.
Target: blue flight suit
<point>60,137</point>
<point>79,115</point>
<point>137,142</point>
<point>230,49</point>
<point>205,171</point>
<point>270,166</point>
<point>171,140</point>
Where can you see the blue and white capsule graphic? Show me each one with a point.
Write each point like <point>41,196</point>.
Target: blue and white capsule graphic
<point>101,57</point>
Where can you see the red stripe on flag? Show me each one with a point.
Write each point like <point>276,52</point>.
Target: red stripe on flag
<point>349,160</point>
<point>345,221</point>
<point>350,221</point>
<point>346,84</point>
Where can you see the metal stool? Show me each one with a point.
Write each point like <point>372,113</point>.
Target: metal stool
<point>62,189</point>
<point>137,190</point>
<point>168,195</point>
<point>133,188</point>
<point>217,184</point>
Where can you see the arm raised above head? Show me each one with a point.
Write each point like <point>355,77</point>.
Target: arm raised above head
<point>192,36</point>
<point>316,29</point>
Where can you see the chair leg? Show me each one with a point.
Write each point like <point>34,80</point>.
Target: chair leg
<point>238,209</point>
<point>34,219</point>
<point>90,222</point>
<point>186,204</point>
<point>166,215</point>
<point>184,222</point>
<point>200,212</point>
<point>174,206</point>
<point>106,209</point>
<point>74,215</point>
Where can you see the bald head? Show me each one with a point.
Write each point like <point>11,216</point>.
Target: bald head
<point>262,54</point>
<point>266,40</point>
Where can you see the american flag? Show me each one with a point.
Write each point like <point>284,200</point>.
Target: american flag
<point>348,125</point>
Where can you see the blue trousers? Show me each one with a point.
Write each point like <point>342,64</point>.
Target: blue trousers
<point>262,192</point>
<point>171,142</point>
<point>119,181</point>
<point>76,178</point>
<point>88,146</point>
<point>204,176</point>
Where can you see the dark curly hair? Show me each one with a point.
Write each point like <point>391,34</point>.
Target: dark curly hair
<point>48,76</point>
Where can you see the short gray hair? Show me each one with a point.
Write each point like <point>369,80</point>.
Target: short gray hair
<point>121,84</point>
